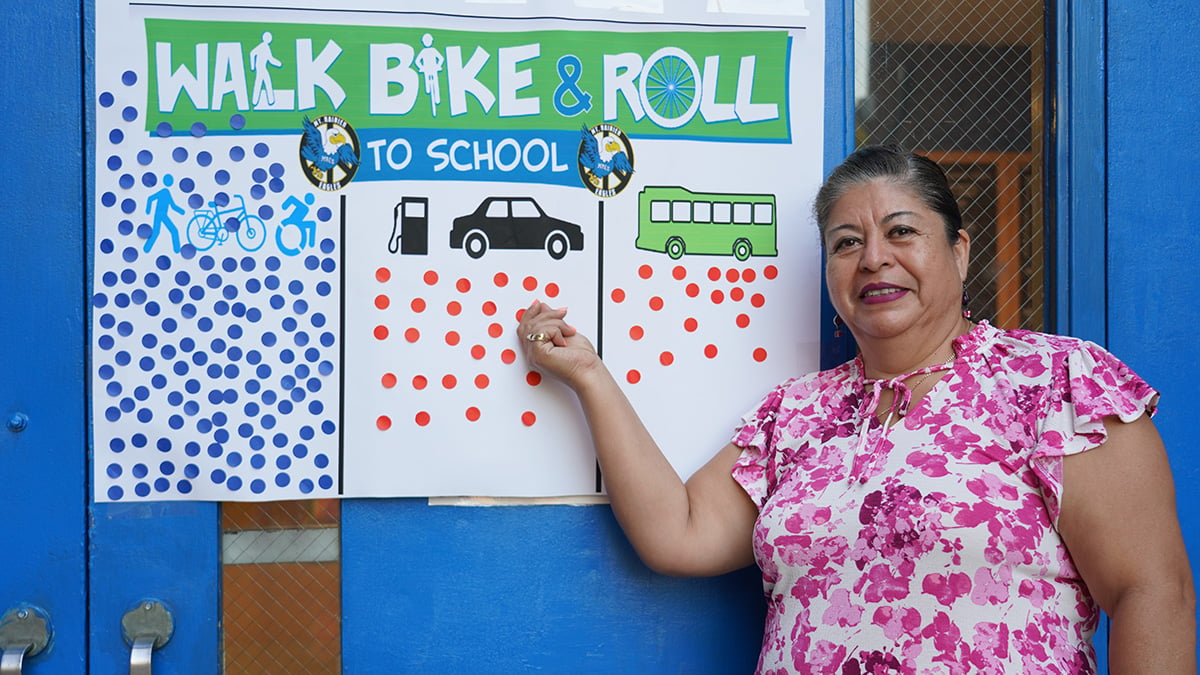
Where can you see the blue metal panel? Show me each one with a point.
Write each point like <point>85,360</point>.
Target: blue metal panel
<point>42,468</point>
<point>1153,211</point>
<point>167,551</point>
<point>507,589</point>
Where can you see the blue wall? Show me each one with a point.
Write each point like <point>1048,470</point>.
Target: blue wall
<point>1153,219</point>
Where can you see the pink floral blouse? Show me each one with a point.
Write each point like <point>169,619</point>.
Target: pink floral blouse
<point>930,546</point>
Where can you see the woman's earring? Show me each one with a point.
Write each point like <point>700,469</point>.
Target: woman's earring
<point>966,311</point>
<point>837,326</point>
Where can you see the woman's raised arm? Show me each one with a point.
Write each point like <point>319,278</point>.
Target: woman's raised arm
<point>702,527</point>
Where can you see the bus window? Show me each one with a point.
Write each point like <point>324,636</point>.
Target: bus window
<point>764,214</point>
<point>660,211</point>
<point>702,212</point>
<point>741,213</point>
<point>721,212</point>
<point>681,212</point>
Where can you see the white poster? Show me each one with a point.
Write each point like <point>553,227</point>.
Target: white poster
<point>316,227</point>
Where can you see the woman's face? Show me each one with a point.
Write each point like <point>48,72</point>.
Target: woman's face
<point>889,267</point>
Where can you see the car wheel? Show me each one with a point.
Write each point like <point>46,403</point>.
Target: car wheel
<point>475,243</point>
<point>741,250</point>
<point>557,245</point>
<point>675,248</point>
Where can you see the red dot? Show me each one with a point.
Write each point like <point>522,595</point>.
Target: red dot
<point>419,382</point>
<point>520,313</point>
<point>482,381</point>
<point>473,414</point>
<point>383,274</point>
<point>714,274</point>
<point>412,335</point>
<point>495,330</point>
<point>552,290</point>
<point>618,295</point>
<point>452,338</point>
<point>692,290</point>
<point>690,325</point>
<point>431,278</point>
<point>422,418</point>
<point>533,378</point>
<point>679,272</point>
<point>633,377</point>
<point>508,356</point>
<point>463,285</point>
<point>388,380</point>
<point>718,297</point>
<point>478,352</point>
<point>489,308</point>
<point>732,275</point>
<point>760,355</point>
<point>529,283</point>
<point>501,279</point>
<point>736,294</point>
<point>742,320</point>
<point>382,302</point>
<point>710,351</point>
<point>418,305</point>
<point>381,332</point>
<point>656,303</point>
<point>666,358</point>
<point>453,308</point>
<point>645,271</point>
<point>449,381</point>
<point>636,332</point>
<point>528,418</point>
<point>770,271</point>
<point>383,422</point>
<point>748,275</point>
<point>757,300</point>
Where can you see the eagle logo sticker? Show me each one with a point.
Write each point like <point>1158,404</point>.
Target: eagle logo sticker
<point>605,159</point>
<point>329,152</point>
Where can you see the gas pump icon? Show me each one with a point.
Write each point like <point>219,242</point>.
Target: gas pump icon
<point>410,227</point>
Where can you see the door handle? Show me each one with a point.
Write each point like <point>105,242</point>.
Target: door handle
<point>147,626</point>
<point>24,631</point>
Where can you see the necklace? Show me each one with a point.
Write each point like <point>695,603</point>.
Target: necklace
<point>932,369</point>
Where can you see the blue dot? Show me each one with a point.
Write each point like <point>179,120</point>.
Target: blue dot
<point>234,459</point>
<point>257,443</point>
<point>100,299</point>
<point>188,310</point>
<point>130,254</point>
<point>237,121</point>
<point>167,351</point>
<point>192,386</point>
<point>129,114</point>
<point>175,422</point>
<point>258,486</point>
<point>141,393</point>
<point>237,153</point>
<point>113,388</point>
<point>139,470</point>
<point>199,129</point>
<point>289,324</point>
<point>261,150</point>
<point>276,170</point>
<point>149,341</point>
<point>122,358</point>
<point>180,368</point>
<point>145,157</point>
<point>169,325</point>
<point>105,342</point>
<point>327,246</point>
<point>327,427</point>
<point>164,129</point>
<point>162,484</point>
<point>263,371</point>
<point>328,265</point>
<point>268,397</point>
<point>147,363</point>
<point>128,206</point>
<point>159,381</point>
<point>215,396</point>
<point>300,450</point>
<point>106,246</point>
<point>257,192</point>
<point>203,425</point>
<point>129,78</point>
<point>187,344</point>
<point>115,493</point>
<point>220,418</point>
<point>191,471</point>
<point>271,281</point>
<point>141,490</point>
<point>116,445</point>
<point>268,339</point>
<point>231,395</point>
<point>145,415</point>
<point>187,184</point>
<point>258,461</point>
<point>320,461</point>
<point>106,372</point>
<point>214,371</point>
<point>205,324</point>
<point>222,199</point>
<point>105,99</point>
<point>307,432</point>
<point>282,479</point>
<point>191,408</point>
<point>253,357</point>
<point>215,450</point>
<point>203,158</point>
<point>326,482</point>
<point>231,371</point>
<point>195,201</point>
<point>254,314</point>
<point>252,387</point>
<point>167,468</point>
<point>234,483</point>
<point>285,407</point>
<point>126,180</point>
<point>287,356</point>
<point>184,487</point>
<point>192,449</point>
<point>112,413</point>
<point>108,199</point>
<point>127,404</point>
<point>230,292</point>
<point>277,302</point>
<point>266,212</point>
<point>221,308</point>
<point>221,176</point>
<point>268,421</point>
<point>217,476</point>
<point>113,470</point>
<point>107,321</point>
<point>114,163</point>
<point>180,154</point>
<point>207,262</point>
<point>323,215</point>
<point>149,179</point>
<point>275,185</point>
<point>213,280</point>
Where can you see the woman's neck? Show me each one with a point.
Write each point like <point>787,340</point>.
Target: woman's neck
<point>887,358</point>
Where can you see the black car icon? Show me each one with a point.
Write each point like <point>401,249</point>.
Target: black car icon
<point>514,222</point>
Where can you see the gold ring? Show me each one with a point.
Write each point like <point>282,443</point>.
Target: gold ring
<point>537,337</point>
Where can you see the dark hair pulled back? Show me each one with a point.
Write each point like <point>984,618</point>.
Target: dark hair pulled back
<point>919,174</point>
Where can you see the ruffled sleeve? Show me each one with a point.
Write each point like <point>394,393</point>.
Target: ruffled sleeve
<point>1088,385</point>
<point>755,436</point>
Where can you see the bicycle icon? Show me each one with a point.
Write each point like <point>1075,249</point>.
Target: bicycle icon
<point>212,226</point>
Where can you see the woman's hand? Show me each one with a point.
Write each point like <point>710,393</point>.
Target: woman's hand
<point>554,346</point>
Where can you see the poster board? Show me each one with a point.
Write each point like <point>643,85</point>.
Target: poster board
<point>316,226</point>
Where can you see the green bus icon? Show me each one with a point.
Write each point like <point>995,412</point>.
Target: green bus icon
<point>675,221</point>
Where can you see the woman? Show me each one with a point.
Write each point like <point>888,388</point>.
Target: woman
<point>957,498</point>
